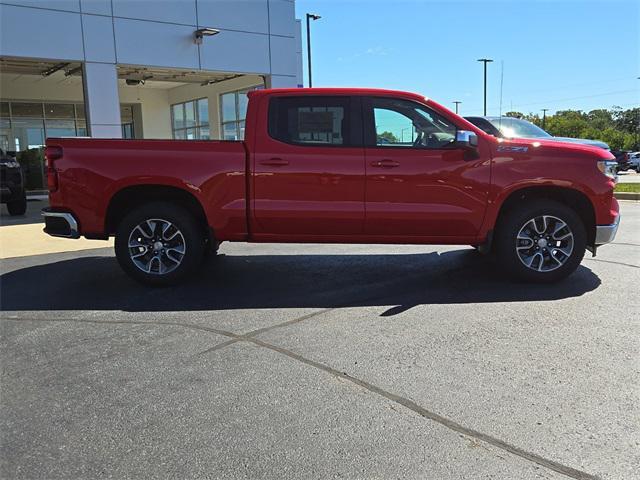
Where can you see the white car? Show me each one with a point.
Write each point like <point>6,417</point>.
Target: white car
<point>634,161</point>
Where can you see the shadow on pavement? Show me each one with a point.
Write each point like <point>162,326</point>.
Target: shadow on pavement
<point>400,281</point>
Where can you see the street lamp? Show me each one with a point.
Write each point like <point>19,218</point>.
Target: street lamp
<point>457,103</point>
<point>310,16</point>
<point>485,61</point>
<point>544,117</point>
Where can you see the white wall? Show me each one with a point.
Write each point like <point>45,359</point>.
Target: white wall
<point>256,36</point>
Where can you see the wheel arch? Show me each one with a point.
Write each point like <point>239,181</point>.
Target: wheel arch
<point>128,198</point>
<point>572,198</point>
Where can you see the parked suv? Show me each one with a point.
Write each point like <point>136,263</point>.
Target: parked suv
<point>12,190</point>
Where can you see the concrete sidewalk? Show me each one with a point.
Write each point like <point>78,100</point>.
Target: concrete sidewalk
<point>23,236</point>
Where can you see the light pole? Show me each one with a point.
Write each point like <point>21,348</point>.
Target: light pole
<point>457,103</point>
<point>310,16</point>
<point>485,61</point>
<point>544,117</point>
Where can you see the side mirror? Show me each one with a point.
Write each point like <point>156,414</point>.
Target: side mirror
<point>466,139</point>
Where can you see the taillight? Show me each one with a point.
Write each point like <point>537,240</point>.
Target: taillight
<point>51,154</point>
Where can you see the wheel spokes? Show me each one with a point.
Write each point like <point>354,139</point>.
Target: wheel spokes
<point>544,243</point>
<point>156,246</point>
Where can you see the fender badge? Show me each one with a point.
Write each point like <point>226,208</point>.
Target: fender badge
<point>512,149</point>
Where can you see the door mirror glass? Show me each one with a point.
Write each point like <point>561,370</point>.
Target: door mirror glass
<point>466,139</point>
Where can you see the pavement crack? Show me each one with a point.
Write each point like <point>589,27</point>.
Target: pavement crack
<point>128,322</point>
<point>423,412</point>
<point>625,243</point>
<point>259,331</point>
<point>612,262</point>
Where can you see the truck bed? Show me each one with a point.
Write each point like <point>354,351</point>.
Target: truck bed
<point>92,171</point>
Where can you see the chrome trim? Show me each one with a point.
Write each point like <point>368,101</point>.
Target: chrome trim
<point>606,233</point>
<point>69,218</point>
<point>465,138</point>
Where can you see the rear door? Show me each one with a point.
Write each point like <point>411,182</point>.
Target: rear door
<point>308,166</point>
<point>418,182</point>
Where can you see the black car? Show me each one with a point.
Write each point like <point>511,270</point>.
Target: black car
<point>12,190</point>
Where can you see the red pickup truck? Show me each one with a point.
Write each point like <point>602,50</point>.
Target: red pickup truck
<point>335,166</point>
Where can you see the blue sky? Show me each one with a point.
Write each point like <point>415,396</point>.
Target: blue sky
<point>554,54</point>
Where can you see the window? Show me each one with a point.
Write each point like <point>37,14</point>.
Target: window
<point>233,112</point>
<point>401,123</point>
<point>310,120</point>
<point>190,120</point>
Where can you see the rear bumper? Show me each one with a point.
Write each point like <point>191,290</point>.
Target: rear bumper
<point>607,233</point>
<point>60,224</point>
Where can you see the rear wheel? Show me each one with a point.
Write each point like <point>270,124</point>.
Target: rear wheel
<point>18,206</point>
<point>543,241</point>
<point>159,244</point>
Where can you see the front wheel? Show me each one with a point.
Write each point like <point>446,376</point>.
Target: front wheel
<point>543,241</point>
<point>159,244</point>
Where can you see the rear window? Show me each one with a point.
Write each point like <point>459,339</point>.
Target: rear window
<point>310,120</point>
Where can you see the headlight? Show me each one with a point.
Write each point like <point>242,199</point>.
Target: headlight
<point>10,163</point>
<point>609,168</point>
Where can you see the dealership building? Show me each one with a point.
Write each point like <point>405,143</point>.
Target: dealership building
<point>139,68</point>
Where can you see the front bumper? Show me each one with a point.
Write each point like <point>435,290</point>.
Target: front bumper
<point>606,233</point>
<point>60,224</point>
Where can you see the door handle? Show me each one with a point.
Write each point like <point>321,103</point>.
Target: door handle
<point>275,162</point>
<point>385,163</point>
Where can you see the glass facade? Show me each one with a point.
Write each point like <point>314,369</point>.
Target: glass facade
<point>233,113</point>
<point>26,125</point>
<point>190,120</point>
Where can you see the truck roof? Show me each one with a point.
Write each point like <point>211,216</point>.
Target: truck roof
<point>337,91</point>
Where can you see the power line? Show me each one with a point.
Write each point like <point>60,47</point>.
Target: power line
<point>557,100</point>
<point>562,87</point>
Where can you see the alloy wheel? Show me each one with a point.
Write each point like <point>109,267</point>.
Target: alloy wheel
<point>544,243</point>
<point>156,246</point>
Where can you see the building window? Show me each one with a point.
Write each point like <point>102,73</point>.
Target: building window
<point>233,109</point>
<point>26,125</point>
<point>190,120</point>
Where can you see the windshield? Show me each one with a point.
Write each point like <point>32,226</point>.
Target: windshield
<point>517,128</point>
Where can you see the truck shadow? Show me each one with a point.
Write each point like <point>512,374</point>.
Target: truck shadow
<point>399,281</point>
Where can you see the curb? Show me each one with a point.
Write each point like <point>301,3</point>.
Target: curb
<point>627,195</point>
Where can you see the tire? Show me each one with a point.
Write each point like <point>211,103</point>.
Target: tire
<point>18,206</point>
<point>159,244</point>
<point>554,254</point>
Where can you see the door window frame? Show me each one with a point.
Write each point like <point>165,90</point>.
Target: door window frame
<point>353,114</point>
<point>369,125</point>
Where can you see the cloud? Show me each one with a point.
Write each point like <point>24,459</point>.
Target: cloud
<point>369,52</point>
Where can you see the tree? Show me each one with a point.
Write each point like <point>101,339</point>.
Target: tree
<point>617,127</point>
<point>387,137</point>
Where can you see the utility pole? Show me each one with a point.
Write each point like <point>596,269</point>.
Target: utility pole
<point>457,103</point>
<point>544,117</point>
<point>485,61</point>
<point>310,16</point>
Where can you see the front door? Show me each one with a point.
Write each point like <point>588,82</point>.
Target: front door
<point>418,183</point>
<point>309,168</point>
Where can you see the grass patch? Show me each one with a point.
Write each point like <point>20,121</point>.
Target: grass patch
<point>628,187</point>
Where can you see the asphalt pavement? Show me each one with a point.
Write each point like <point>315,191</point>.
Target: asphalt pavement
<point>322,361</point>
